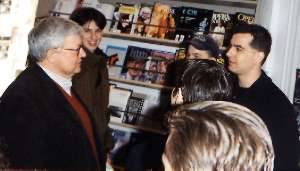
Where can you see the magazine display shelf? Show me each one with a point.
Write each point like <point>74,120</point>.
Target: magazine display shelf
<point>137,127</point>
<point>250,4</point>
<point>232,3</point>
<point>140,83</point>
<point>217,5</point>
<point>151,40</point>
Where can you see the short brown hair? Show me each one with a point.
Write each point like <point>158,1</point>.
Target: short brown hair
<point>218,135</point>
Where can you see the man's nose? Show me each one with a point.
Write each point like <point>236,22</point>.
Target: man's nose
<point>229,52</point>
<point>94,35</point>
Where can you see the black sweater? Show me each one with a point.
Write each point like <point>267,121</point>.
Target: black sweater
<point>266,99</point>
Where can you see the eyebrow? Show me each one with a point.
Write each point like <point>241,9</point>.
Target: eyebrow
<point>238,46</point>
<point>94,29</point>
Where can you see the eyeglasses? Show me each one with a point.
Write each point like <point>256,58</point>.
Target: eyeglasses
<point>76,50</point>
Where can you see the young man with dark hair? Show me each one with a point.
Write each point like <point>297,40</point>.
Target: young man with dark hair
<point>250,46</point>
<point>93,23</point>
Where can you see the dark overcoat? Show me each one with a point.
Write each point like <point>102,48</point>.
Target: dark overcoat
<point>40,127</point>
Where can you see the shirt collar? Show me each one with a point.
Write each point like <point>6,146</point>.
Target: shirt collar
<point>65,83</point>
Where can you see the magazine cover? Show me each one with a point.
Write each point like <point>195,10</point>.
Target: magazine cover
<point>123,18</point>
<point>159,22</point>
<point>156,104</point>
<point>172,18</point>
<point>180,53</point>
<point>118,98</point>
<point>244,18</point>
<point>143,18</point>
<point>204,21</point>
<point>220,27</point>
<point>135,61</point>
<point>116,59</point>
<point>296,99</point>
<point>191,21</point>
<point>134,108</point>
<point>151,69</point>
<point>163,59</point>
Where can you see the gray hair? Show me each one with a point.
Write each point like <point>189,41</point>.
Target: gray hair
<point>50,33</point>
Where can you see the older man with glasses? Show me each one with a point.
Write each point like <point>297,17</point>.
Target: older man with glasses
<point>42,121</point>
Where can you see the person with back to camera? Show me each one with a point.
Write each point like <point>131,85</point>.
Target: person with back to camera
<point>202,80</point>
<point>91,83</point>
<point>42,121</point>
<point>249,48</point>
<point>217,136</point>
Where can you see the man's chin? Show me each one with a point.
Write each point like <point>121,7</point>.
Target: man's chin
<point>91,48</point>
<point>231,68</point>
<point>77,70</point>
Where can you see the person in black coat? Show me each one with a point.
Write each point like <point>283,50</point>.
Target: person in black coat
<point>42,122</point>
<point>250,46</point>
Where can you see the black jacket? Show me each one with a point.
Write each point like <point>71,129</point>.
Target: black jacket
<point>266,99</point>
<point>40,127</point>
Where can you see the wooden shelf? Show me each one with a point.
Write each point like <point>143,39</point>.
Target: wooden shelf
<point>151,40</point>
<point>232,3</point>
<point>140,83</point>
<point>138,127</point>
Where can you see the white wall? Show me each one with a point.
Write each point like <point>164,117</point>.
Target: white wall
<point>16,25</point>
<point>281,17</point>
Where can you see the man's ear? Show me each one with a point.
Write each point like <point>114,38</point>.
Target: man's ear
<point>50,55</point>
<point>260,56</point>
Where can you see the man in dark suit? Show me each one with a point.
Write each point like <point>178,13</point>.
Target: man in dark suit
<point>43,123</point>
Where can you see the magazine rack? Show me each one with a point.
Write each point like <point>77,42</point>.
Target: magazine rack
<point>142,39</point>
<point>139,83</point>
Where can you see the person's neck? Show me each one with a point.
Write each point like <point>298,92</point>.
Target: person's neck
<point>246,80</point>
<point>63,82</point>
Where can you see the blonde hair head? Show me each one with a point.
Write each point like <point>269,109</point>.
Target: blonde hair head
<point>217,136</point>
